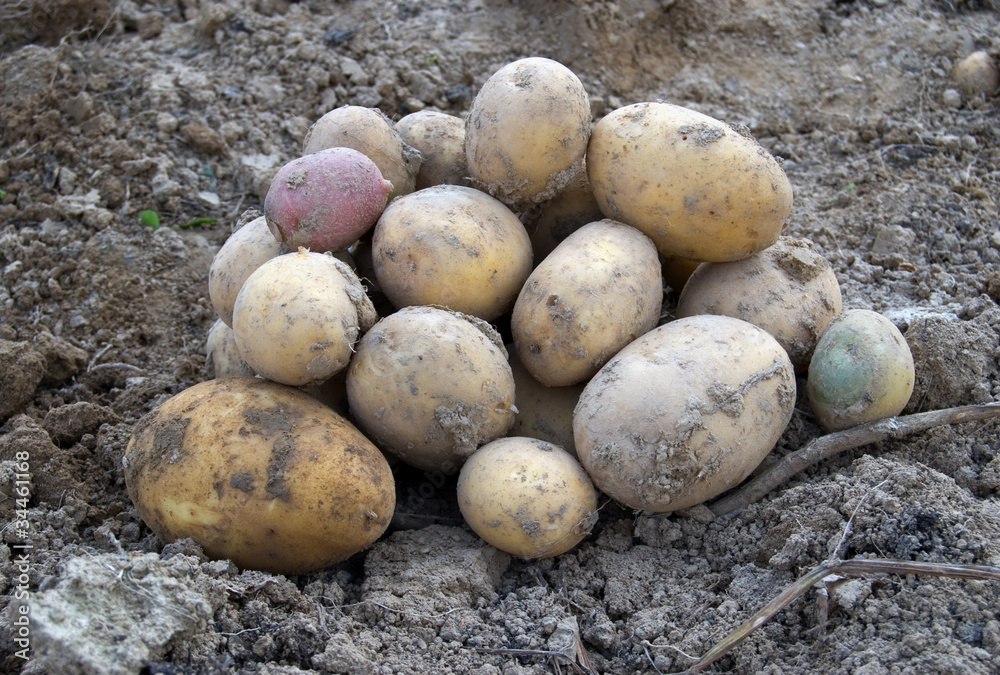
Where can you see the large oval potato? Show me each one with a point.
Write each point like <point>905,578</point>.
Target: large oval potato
<point>245,250</point>
<point>297,317</point>
<point>701,189</point>
<point>787,289</point>
<point>597,291</point>
<point>259,473</point>
<point>454,247</point>
<point>431,386</point>
<point>684,413</point>
<point>527,497</point>
<point>862,370</point>
<point>526,133</point>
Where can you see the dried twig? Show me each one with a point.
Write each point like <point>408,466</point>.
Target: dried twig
<point>856,566</point>
<point>827,446</point>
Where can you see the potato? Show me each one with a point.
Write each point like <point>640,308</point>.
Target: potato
<point>684,413</point>
<point>862,370</point>
<point>677,271</point>
<point>597,291</point>
<point>431,386</point>
<point>527,497</point>
<point>222,356</point>
<point>545,413</point>
<point>371,133</point>
<point>440,138</point>
<point>259,473</point>
<point>976,75</point>
<point>298,317</point>
<point>325,201</point>
<point>701,189</point>
<point>451,246</point>
<point>245,250</point>
<point>787,289</point>
<point>527,130</point>
<point>562,215</point>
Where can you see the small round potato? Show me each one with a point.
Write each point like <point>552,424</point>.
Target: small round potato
<point>259,473</point>
<point>222,355</point>
<point>545,413</point>
<point>527,497</point>
<point>453,247</point>
<point>677,271</point>
<point>440,138</point>
<point>787,289</point>
<point>701,189</point>
<point>561,216</point>
<point>298,317</point>
<point>527,130</point>
<point>977,75</point>
<point>684,413</point>
<point>431,386</point>
<point>597,291</point>
<point>862,371</point>
<point>245,250</point>
<point>370,132</point>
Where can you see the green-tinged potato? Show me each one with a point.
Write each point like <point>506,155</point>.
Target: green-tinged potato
<point>862,370</point>
<point>298,316</point>
<point>597,291</point>
<point>526,133</point>
<point>561,216</point>
<point>222,355</point>
<point>787,289</point>
<point>701,189</point>
<point>245,250</point>
<point>453,247</point>
<point>545,413</point>
<point>370,132</point>
<point>431,386</point>
<point>259,473</point>
<point>527,497</point>
<point>440,138</point>
<point>684,413</point>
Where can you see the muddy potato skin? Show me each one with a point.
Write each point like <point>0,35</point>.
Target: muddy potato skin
<point>862,370</point>
<point>527,497</point>
<point>298,316</point>
<point>371,133</point>
<point>699,188</point>
<point>245,250</point>
<point>597,291</point>
<point>787,289</point>
<point>440,138</point>
<point>684,413</point>
<point>526,133</point>
<point>454,247</point>
<point>259,473</point>
<point>430,386</point>
<point>545,413</point>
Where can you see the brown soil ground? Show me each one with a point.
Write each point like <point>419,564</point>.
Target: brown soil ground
<point>186,108</point>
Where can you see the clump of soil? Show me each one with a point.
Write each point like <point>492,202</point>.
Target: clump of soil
<point>187,107</point>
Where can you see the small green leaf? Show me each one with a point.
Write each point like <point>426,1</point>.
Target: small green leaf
<point>3,193</point>
<point>149,218</point>
<point>198,221</point>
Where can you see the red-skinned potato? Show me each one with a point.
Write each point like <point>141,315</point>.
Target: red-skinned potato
<point>259,473</point>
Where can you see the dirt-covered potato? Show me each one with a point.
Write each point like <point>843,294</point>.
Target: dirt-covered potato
<point>527,497</point>
<point>862,370</point>
<point>370,132</point>
<point>561,216</point>
<point>259,473</point>
<point>245,250</point>
<point>684,413</point>
<point>526,133</point>
<point>440,138</point>
<point>431,386</point>
<point>298,317</point>
<point>701,189</point>
<point>451,246</point>
<point>222,355</point>
<point>545,413</point>
<point>788,289</point>
<point>597,291</point>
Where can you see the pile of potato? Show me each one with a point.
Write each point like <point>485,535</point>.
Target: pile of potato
<point>486,296</point>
